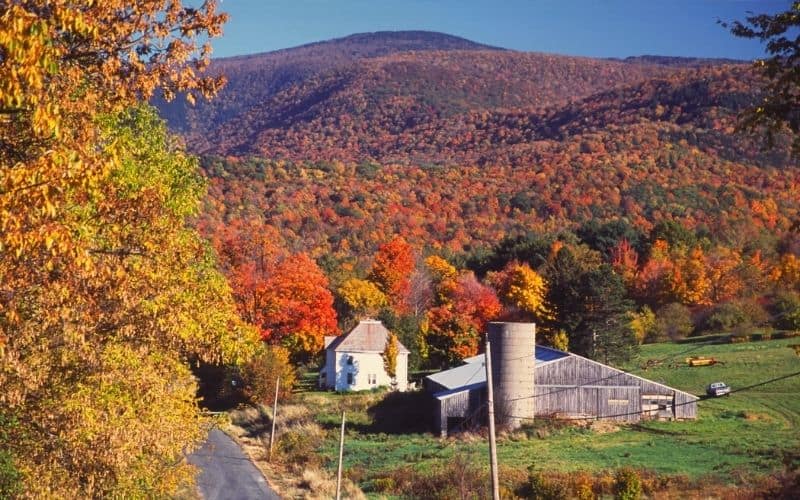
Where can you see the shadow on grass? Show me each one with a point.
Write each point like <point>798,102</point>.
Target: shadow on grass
<point>396,413</point>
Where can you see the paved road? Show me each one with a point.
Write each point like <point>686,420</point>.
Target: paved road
<point>226,473</point>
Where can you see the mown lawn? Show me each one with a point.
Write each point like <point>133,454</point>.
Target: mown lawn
<point>745,433</point>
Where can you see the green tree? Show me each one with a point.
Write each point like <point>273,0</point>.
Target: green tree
<point>674,322</point>
<point>675,234</point>
<point>590,305</point>
<point>787,310</point>
<point>603,331</point>
<point>779,109</point>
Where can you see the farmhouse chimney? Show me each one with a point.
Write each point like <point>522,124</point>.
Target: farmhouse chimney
<point>513,359</point>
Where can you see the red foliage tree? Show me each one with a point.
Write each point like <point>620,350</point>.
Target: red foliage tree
<point>453,330</point>
<point>297,307</point>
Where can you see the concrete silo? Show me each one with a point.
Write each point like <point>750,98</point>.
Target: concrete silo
<point>513,347</point>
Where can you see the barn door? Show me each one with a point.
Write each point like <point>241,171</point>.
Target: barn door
<point>658,406</point>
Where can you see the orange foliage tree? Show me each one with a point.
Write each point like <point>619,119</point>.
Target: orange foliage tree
<point>625,261</point>
<point>786,272</point>
<point>652,283</point>
<point>391,271</point>
<point>297,307</point>
<point>724,268</point>
<point>689,280</point>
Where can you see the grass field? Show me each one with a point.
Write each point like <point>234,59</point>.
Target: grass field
<point>749,432</point>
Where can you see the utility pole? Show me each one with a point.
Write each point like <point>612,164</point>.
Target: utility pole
<point>492,437</point>
<point>274,416</point>
<point>339,471</point>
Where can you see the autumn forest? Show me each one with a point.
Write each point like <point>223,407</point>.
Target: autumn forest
<point>627,172</point>
<point>166,217</point>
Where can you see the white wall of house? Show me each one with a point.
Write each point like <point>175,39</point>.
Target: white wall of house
<point>402,371</point>
<point>359,371</point>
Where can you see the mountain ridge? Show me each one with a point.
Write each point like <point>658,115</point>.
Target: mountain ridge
<point>455,42</point>
<point>255,81</point>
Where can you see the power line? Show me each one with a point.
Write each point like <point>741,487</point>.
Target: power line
<point>602,379</point>
<point>699,398</point>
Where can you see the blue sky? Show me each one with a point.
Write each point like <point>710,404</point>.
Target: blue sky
<point>596,28</point>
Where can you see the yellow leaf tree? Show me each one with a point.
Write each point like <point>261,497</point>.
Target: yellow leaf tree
<point>363,297</point>
<point>105,291</point>
<point>522,289</point>
<point>390,355</point>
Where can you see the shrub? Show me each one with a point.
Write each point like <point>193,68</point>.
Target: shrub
<point>643,324</point>
<point>583,486</point>
<point>627,484</point>
<point>10,478</point>
<point>673,321</point>
<point>297,447</point>
<point>459,478</point>
<point>384,485</point>
<point>738,315</point>
<point>787,310</point>
<point>540,487</point>
<point>261,372</point>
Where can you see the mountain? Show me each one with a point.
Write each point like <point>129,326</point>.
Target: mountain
<point>456,146</point>
<point>475,108</point>
<point>660,149</point>
<point>386,83</point>
<point>254,78</point>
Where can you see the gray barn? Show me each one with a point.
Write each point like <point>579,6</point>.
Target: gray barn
<point>567,386</point>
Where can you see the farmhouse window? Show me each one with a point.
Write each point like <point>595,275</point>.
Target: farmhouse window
<point>350,379</point>
<point>372,379</point>
<point>349,360</point>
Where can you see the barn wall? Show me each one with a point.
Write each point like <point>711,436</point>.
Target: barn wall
<point>685,405</point>
<point>462,404</point>
<point>612,402</point>
<point>575,387</point>
<point>574,370</point>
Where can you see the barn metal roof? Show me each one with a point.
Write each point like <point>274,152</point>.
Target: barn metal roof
<point>473,371</point>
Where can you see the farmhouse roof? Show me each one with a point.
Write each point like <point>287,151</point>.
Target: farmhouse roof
<point>473,371</point>
<point>368,336</point>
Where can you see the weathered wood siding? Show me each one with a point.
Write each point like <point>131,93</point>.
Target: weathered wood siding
<point>578,371</point>
<point>463,404</point>
<point>576,387</point>
<point>685,405</point>
<point>610,402</point>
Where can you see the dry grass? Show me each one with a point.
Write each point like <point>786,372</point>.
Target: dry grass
<point>293,472</point>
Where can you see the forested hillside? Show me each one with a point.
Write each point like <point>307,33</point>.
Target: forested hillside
<point>356,111</point>
<point>623,182</point>
<point>663,149</point>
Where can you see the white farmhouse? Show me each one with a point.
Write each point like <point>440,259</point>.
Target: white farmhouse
<point>355,361</point>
